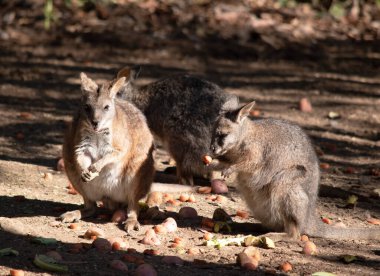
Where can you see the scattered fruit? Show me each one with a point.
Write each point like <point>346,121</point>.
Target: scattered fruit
<point>374,221</point>
<point>187,212</point>
<point>204,190</point>
<point>246,261</point>
<point>193,251</point>
<point>218,186</point>
<point>94,231</point>
<point>242,214</point>
<point>208,236</point>
<point>304,238</point>
<point>151,252</point>
<point>309,248</point>
<point>16,272</point>
<point>119,265</point>
<point>207,222</point>
<point>150,238</point>
<point>48,176</point>
<point>145,270</point>
<point>191,199</point>
<point>184,197</point>
<point>159,229</point>
<point>207,159</point>
<point>118,243</point>
<point>172,260</point>
<point>170,225</point>
<point>102,245</point>
<point>221,199</point>
<point>324,166</point>
<point>326,220</point>
<point>305,105</point>
<point>74,226</point>
<point>286,267</point>
<point>167,197</point>
<point>55,255</point>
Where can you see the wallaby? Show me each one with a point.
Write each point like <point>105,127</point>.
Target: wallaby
<point>108,152</point>
<point>277,173</point>
<point>180,111</point>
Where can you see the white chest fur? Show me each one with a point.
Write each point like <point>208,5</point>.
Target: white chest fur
<point>111,182</point>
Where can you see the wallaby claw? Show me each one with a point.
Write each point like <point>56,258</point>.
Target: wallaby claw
<point>131,224</point>
<point>227,172</point>
<point>88,175</point>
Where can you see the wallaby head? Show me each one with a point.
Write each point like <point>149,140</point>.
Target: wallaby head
<point>130,74</point>
<point>98,105</point>
<point>227,131</point>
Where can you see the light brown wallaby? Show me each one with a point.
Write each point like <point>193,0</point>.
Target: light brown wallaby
<point>277,173</point>
<point>108,152</point>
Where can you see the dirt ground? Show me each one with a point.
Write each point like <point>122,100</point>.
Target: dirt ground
<point>39,90</point>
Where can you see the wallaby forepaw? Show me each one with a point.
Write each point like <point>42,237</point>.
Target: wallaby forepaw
<point>227,172</point>
<point>131,224</point>
<point>70,216</point>
<point>88,175</point>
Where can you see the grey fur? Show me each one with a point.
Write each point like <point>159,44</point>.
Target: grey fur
<point>180,111</point>
<point>277,173</point>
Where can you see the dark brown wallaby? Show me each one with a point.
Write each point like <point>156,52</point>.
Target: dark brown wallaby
<point>180,111</point>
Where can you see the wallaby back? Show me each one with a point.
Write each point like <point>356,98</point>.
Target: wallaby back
<point>181,111</point>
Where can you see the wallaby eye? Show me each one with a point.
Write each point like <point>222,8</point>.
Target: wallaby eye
<point>87,108</point>
<point>107,107</point>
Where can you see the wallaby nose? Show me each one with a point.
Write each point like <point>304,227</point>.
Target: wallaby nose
<point>94,124</point>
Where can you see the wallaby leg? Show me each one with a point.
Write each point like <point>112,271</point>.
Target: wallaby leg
<point>132,213</point>
<point>88,211</point>
<point>184,177</point>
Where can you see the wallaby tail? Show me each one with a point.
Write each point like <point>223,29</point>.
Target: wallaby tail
<point>322,230</point>
<point>171,188</point>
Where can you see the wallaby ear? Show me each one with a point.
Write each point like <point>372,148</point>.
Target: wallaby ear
<point>87,84</point>
<point>244,111</point>
<point>129,73</point>
<point>231,103</point>
<point>117,86</point>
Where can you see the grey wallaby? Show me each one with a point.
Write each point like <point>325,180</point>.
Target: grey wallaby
<point>180,111</point>
<point>108,152</point>
<point>277,173</point>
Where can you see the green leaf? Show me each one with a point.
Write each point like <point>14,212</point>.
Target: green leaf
<point>337,10</point>
<point>352,199</point>
<point>322,273</point>
<point>47,263</point>
<point>48,13</point>
<point>45,241</point>
<point>8,251</point>
<point>349,258</point>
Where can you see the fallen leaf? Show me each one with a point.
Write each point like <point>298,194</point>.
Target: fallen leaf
<point>8,252</point>
<point>267,243</point>
<point>47,263</point>
<point>44,241</point>
<point>322,273</point>
<point>349,258</point>
<point>333,115</point>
